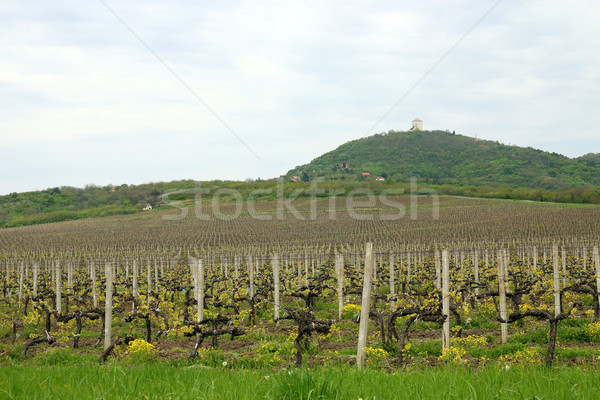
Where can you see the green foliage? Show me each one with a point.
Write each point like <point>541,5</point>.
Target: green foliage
<point>440,158</point>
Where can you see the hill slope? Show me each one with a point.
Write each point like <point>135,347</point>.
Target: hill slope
<point>66,203</point>
<point>439,157</point>
<point>443,160</point>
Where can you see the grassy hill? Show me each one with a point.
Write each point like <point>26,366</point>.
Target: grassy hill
<point>67,203</point>
<point>447,163</point>
<point>438,157</point>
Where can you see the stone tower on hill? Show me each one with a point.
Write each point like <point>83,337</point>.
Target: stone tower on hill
<point>417,125</point>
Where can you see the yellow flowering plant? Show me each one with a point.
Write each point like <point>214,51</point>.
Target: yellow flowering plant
<point>375,356</point>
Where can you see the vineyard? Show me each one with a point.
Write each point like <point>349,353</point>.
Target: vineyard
<point>462,282</point>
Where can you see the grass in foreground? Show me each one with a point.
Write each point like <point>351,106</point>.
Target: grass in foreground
<point>160,381</point>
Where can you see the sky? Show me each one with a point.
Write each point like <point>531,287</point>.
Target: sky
<point>112,92</point>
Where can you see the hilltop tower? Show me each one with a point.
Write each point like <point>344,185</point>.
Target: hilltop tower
<point>417,125</point>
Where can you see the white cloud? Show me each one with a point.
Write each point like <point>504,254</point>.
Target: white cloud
<point>82,100</point>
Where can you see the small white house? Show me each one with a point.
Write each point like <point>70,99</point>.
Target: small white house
<point>147,208</point>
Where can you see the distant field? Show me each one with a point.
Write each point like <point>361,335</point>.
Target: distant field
<point>335,221</point>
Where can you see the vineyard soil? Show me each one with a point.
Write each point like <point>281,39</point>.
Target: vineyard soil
<point>195,299</point>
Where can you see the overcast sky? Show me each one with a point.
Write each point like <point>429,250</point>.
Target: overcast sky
<point>138,91</point>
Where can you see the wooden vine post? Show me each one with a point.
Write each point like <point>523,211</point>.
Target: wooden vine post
<point>556,278</point>
<point>339,270</point>
<point>408,269</point>
<point>70,278</point>
<point>251,276</point>
<point>156,275</point>
<point>7,274</point>
<point>194,274</point>
<point>200,290</point>
<point>564,267</point>
<point>502,296</point>
<point>135,280</point>
<point>236,266</point>
<point>58,276</point>
<point>275,263</point>
<point>438,271</point>
<point>476,271</point>
<point>108,306</point>
<point>597,265</point>
<point>365,306</point>
<point>21,278</point>
<point>299,265</point>
<point>392,280</point>
<point>36,268</point>
<point>305,269</point>
<point>446,299</point>
<point>94,290</point>
<point>148,280</point>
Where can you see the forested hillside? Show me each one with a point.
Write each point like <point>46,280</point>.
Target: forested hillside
<point>439,157</point>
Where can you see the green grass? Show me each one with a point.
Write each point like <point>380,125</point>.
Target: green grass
<point>62,356</point>
<point>571,331</point>
<point>113,381</point>
<point>570,352</point>
<point>428,347</point>
<point>483,320</point>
